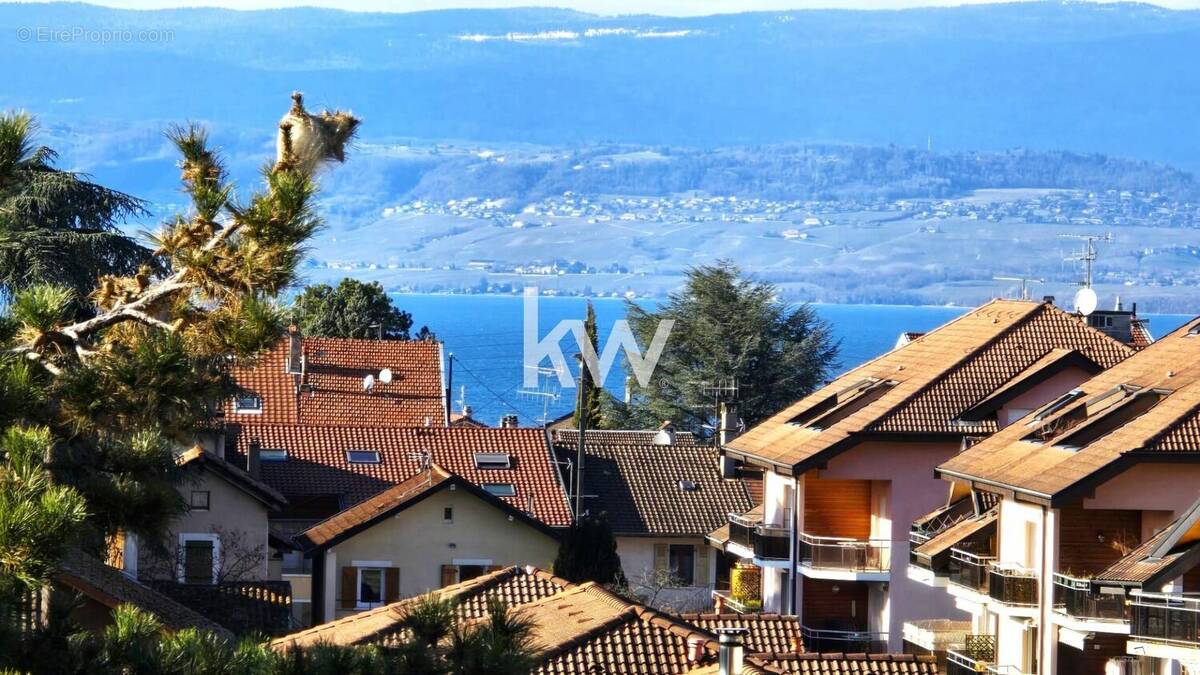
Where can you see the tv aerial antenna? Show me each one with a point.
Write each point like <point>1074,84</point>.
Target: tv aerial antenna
<point>1085,298</point>
<point>548,391</point>
<point>1026,282</point>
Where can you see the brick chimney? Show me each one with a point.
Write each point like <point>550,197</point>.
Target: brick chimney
<point>508,422</point>
<point>295,360</point>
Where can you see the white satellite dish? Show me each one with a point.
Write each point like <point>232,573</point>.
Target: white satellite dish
<point>368,383</point>
<point>1085,301</point>
<point>385,376</point>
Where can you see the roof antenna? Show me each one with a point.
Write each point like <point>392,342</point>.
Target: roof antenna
<point>1026,282</point>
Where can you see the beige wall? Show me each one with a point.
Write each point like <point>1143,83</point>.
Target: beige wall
<point>239,520</point>
<point>418,542</point>
<point>637,562</point>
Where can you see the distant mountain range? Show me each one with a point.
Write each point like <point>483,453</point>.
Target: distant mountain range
<point>1110,78</point>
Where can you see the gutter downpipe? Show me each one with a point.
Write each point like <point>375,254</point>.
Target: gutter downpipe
<point>794,552</point>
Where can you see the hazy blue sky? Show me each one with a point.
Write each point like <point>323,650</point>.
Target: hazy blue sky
<point>669,7</point>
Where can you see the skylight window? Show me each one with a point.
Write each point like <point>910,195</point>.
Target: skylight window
<point>362,456</point>
<point>493,460</point>
<point>500,489</point>
<point>248,404</point>
<point>687,485</point>
<point>272,455</point>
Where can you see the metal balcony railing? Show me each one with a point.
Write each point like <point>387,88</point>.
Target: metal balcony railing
<point>915,539</point>
<point>840,553</point>
<point>1076,598</point>
<point>848,641</point>
<point>959,663</point>
<point>768,542</point>
<point>735,605</point>
<point>969,570</point>
<point>1163,618</point>
<point>1012,584</point>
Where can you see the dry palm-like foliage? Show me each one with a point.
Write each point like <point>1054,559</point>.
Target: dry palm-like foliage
<point>119,391</point>
<point>223,260</point>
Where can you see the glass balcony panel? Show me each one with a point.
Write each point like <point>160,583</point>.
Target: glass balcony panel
<point>1012,585</point>
<point>837,553</point>
<point>969,570</point>
<point>1076,598</point>
<point>1169,619</point>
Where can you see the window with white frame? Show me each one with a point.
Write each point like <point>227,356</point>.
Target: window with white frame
<point>199,558</point>
<point>492,460</point>
<point>248,404</point>
<point>362,456</point>
<point>371,589</point>
<point>500,489</point>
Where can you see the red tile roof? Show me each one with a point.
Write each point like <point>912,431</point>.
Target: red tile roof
<point>330,392</point>
<point>767,632</point>
<point>926,384</point>
<point>317,465</point>
<point>1046,469</point>
<point>848,664</point>
<point>391,501</point>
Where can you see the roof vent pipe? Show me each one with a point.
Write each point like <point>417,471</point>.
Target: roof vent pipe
<point>731,654</point>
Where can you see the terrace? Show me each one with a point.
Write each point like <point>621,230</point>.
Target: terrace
<point>1012,585</point>
<point>1079,599</point>
<point>845,558</point>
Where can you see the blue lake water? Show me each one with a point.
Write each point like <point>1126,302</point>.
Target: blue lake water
<point>484,333</point>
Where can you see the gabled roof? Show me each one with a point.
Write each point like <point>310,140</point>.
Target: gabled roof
<point>1146,407</point>
<point>767,633</point>
<point>397,498</point>
<point>1168,554</point>
<point>848,664</point>
<point>317,463</point>
<point>923,387</point>
<point>578,628</point>
<point>512,585</point>
<point>330,392</point>
<point>111,588</point>
<point>1055,361</point>
<point>199,457</point>
<point>665,490</point>
<point>570,437</point>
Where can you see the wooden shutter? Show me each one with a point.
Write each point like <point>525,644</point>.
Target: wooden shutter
<point>449,575</point>
<point>701,577</point>
<point>660,557</point>
<point>391,584</point>
<point>349,587</point>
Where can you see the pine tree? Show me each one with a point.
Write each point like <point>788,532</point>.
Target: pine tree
<point>114,395</point>
<point>729,328</point>
<point>353,309</point>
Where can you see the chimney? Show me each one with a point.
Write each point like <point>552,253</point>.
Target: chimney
<point>295,361</point>
<point>252,458</point>
<point>729,428</point>
<point>508,422</point>
<point>666,434</point>
<point>730,657</point>
<point>628,391</point>
<point>1048,299</point>
<point>695,649</point>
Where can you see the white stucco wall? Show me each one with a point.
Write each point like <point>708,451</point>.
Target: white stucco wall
<point>637,561</point>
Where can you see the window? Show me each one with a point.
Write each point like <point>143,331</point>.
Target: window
<point>370,587</point>
<point>248,404</point>
<point>492,460</point>
<point>362,456</point>
<point>500,489</point>
<point>681,563</point>
<point>448,514</point>
<point>687,485</point>
<point>272,455</point>
<point>200,556</point>
<point>294,562</point>
<point>199,501</point>
<point>468,572</point>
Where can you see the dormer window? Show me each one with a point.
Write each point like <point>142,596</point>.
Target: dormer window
<point>272,455</point>
<point>500,489</point>
<point>493,460</point>
<point>248,404</point>
<point>362,456</point>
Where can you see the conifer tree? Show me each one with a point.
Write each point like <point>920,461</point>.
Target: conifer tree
<point>588,552</point>
<point>594,395</point>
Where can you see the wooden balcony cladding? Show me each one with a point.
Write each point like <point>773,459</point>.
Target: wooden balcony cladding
<point>1092,539</point>
<point>835,605</point>
<point>837,508</point>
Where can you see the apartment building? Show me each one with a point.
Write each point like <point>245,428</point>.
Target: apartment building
<point>1071,535</point>
<point>851,467</point>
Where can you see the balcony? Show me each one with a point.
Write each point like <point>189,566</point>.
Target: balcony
<point>1168,620</point>
<point>848,641</point>
<point>1012,585</point>
<point>1076,598</point>
<point>766,542</point>
<point>970,571</point>
<point>844,558</point>
<point>725,600</point>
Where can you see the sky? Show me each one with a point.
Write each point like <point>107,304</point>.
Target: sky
<point>607,7</point>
